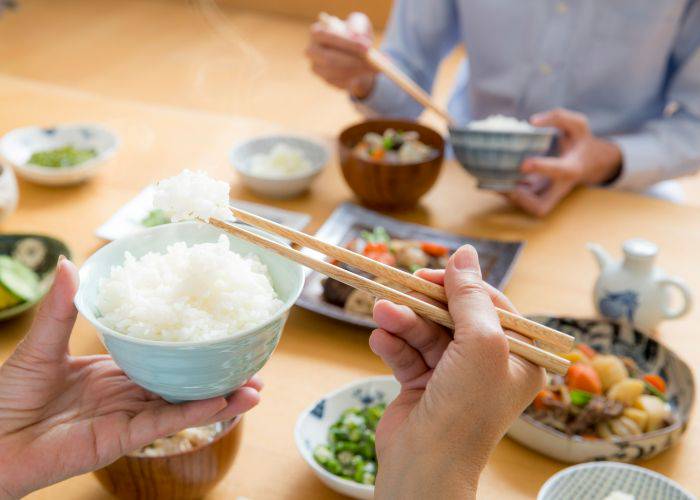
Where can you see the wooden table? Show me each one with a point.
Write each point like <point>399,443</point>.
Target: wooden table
<point>555,274</point>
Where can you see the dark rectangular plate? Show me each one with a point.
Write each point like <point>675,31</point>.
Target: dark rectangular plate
<point>345,223</point>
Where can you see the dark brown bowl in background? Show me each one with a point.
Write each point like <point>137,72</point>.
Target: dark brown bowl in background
<point>385,185</point>
<point>187,475</point>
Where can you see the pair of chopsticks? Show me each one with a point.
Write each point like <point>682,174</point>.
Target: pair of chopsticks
<point>548,337</point>
<point>384,65</point>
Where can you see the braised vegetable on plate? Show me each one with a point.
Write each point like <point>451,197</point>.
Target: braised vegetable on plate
<point>377,244</point>
<point>603,397</point>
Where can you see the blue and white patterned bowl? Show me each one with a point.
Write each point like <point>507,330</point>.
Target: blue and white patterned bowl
<point>598,480</point>
<point>18,145</point>
<point>313,424</point>
<point>494,158</point>
<point>278,187</point>
<point>610,337</point>
<point>184,371</point>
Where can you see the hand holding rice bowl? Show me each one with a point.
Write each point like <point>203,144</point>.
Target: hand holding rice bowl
<point>189,369</point>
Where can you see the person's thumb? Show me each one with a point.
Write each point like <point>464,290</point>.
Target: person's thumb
<point>49,334</point>
<point>469,302</point>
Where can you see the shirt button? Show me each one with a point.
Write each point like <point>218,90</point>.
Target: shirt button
<point>562,8</point>
<point>545,69</point>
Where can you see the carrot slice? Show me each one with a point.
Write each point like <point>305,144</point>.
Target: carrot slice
<point>656,381</point>
<point>587,350</point>
<point>584,378</point>
<point>434,249</point>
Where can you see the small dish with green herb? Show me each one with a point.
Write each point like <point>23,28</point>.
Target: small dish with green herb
<point>336,435</point>
<point>59,155</point>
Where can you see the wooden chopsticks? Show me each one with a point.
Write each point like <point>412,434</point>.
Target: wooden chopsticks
<point>383,64</point>
<point>548,336</point>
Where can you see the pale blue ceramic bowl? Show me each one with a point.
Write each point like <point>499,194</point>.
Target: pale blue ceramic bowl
<point>494,158</point>
<point>185,371</point>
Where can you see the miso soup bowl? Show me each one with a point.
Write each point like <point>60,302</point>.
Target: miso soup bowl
<point>186,371</point>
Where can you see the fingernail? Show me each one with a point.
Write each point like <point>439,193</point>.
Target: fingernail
<point>61,258</point>
<point>464,258</point>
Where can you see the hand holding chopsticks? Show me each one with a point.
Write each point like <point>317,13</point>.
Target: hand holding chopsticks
<point>549,337</point>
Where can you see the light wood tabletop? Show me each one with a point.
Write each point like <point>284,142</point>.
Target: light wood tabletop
<point>554,274</point>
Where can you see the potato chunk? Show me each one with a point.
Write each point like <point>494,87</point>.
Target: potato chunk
<point>610,369</point>
<point>656,409</point>
<point>626,391</point>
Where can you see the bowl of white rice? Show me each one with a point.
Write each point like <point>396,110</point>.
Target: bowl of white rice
<point>188,312</point>
<point>279,166</point>
<point>493,149</point>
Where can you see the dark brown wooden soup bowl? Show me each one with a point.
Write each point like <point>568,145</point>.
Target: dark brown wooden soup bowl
<point>385,185</point>
<point>186,475</point>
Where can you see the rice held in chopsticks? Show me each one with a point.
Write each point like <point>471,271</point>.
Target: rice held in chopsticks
<point>191,195</point>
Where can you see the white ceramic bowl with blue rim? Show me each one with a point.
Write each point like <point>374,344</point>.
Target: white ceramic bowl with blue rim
<point>18,145</point>
<point>312,426</point>
<point>278,187</point>
<point>184,371</point>
<point>652,357</point>
<point>494,158</point>
<point>595,481</point>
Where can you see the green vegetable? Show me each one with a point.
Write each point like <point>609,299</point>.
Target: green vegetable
<point>155,218</point>
<point>377,235</point>
<point>18,280</point>
<point>67,156</point>
<point>579,397</point>
<point>350,452</point>
<point>654,391</point>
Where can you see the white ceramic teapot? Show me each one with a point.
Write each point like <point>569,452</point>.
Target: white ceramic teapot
<point>9,194</point>
<point>633,291</point>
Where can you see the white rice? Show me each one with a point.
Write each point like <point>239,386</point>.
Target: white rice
<point>201,292</point>
<point>283,160</point>
<point>501,123</point>
<point>191,195</point>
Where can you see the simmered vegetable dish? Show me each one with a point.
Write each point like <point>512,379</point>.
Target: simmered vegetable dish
<point>350,450</point>
<point>393,146</point>
<point>378,245</point>
<point>603,397</point>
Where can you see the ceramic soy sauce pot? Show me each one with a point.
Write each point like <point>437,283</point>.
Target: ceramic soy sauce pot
<point>635,292</point>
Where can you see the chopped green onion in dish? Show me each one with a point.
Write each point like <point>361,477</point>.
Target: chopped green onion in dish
<point>155,217</point>
<point>66,156</point>
<point>350,451</point>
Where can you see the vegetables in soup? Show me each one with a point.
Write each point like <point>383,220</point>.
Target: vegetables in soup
<point>394,146</point>
<point>350,452</point>
<point>66,156</point>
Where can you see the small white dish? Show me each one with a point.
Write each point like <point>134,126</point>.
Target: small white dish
<point>18,145</point>
<point>9,193</point>
<point>597,480</point>
<point>278,187</point>
<point>312,426</point>
<point>129,218</point>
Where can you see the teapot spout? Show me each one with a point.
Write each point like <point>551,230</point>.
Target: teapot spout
<point>601,256</point>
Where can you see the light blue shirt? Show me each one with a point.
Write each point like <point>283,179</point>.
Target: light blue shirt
<point>631,66</point>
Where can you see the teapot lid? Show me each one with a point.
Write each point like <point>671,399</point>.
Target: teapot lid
<point>640,248</point>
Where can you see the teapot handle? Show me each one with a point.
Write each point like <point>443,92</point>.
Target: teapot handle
<point>685,292</point>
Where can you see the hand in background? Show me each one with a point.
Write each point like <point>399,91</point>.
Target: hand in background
<point>585,159</point>
<point>458,396</point>
<point>62,415</point>
<point>340,60</point>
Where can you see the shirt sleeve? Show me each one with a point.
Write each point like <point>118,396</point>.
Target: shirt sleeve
<point>419,35</point>
<point>669,146</point>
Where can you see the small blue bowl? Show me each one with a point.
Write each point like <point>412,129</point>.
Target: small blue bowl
<point>494,158</point>
<point>186,371</point>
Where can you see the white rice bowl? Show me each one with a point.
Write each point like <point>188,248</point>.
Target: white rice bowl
<point>201,292</point>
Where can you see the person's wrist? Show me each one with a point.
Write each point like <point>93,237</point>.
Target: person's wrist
<point>361,87</point>
<point>419,468</point>
<point>606,164</point>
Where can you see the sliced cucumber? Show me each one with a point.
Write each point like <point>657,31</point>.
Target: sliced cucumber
<point>18,279</point>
